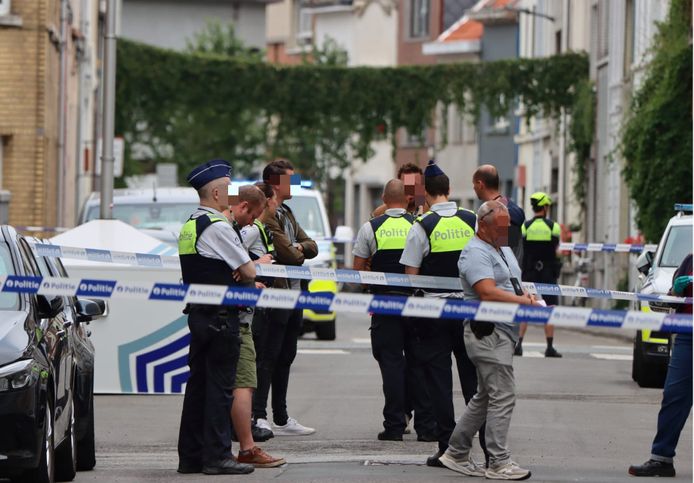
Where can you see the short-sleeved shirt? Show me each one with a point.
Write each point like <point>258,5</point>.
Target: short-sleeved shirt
<point>365,246</point>
<point>417,244</point>
<point>478,261</point>
<point>220,241</point>
<point>252,241</point>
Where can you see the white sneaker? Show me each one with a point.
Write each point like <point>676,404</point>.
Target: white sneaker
<point>263,423</point>
<point>467,468</point>
<point>292,428</point>
<point>509,471</point>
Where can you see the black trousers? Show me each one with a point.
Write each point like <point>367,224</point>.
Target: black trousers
<point>437,339</point>
<point>392,345</point>
<point>205,433</point>
<point>275,334</point>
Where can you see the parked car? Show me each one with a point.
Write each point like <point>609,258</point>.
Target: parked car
<point>46,374</point>
<point>652,348</point>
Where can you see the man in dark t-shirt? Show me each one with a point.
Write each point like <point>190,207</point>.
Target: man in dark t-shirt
<point>485,182</point>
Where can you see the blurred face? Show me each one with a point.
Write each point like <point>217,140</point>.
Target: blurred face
<point>414,189</point>
<point>495,229</point>
<point>282,185</point>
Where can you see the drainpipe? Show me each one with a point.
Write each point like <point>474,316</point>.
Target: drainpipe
<point>62,112</point>
<point>109,101</point>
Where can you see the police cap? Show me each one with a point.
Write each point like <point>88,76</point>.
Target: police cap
<point>210,171</point>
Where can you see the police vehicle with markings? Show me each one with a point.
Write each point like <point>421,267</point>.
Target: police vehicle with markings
<point>652,348</point>
<point>161,212</point>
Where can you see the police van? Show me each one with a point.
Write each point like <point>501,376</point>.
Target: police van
<point>652,348</point>
<point>161,213</point>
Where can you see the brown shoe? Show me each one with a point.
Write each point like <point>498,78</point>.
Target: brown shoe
<point>259,458</point>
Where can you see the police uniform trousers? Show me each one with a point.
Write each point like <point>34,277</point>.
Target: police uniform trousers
<point>392,345</point>
<point>205,433</point>
<point>275,335</point>
<point>436,340</point>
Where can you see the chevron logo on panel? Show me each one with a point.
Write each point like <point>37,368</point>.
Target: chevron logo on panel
<point>156,362</point>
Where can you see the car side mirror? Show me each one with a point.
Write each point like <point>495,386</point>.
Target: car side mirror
<point>88,309</point>
<point>645,262</point>
<point>344,234</point>
<point>49,308</point>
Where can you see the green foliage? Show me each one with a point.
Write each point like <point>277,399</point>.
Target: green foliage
<point>657,139</point>
<point>581,134</point>
<point>188,107</point>
<point>220,39</point>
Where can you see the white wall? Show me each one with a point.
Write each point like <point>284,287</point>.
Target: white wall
<point>169,23</point>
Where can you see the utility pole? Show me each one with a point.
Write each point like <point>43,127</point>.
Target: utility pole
<point>109,104</point>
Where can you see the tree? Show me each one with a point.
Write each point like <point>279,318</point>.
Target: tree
<point>657,138</point>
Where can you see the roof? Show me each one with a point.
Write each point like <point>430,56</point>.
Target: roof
<point>464,36</point>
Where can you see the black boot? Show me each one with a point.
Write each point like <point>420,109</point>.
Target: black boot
<point>228,466</point>
<point>433,460</point>
<point>652,468</point>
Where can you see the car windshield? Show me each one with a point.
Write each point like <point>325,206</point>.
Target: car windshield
<point>677,246</point>
<point>149,215</point>
<point>307,212</point>
<point>8,300</point>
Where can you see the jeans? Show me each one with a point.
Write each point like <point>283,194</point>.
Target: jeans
<point>677,400</point>
<point>205,433</point>
<point>494,400</point>
<point>275,334</point>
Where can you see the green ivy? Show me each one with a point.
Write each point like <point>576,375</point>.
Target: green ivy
<point>188,107</point>
<point>657,139</point>
<point>581,134</point>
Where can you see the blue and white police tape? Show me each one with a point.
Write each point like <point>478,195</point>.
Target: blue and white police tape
<point>425,307</point>
<point>345,275</point>
<point>607,247</point>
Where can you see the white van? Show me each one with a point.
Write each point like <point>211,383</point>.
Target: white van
<point>162,212</point>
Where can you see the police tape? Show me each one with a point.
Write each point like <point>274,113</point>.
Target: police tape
<point>44,229</point>
<point>425,307</point>
<point>607,247</point>
<point>345,275</point>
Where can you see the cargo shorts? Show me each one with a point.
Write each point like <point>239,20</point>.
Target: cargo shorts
<point>245,369</point>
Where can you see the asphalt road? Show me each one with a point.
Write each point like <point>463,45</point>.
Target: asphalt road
<point>579,418</point>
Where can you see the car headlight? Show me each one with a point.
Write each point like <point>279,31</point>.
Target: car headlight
<point>18,375</point>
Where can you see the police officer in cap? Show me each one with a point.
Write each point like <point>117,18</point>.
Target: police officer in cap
<point>381,241</point>
<point>433,248</point>
<point>540,263</point>
<point>211,252</point>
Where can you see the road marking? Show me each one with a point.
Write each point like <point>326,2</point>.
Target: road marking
<point>321,351</point>
<point>612,347</point>
<point>533,354</point>
<point>613,357</point>
<point>364,340</point>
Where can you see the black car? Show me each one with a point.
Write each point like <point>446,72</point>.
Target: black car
<point>46,373</point>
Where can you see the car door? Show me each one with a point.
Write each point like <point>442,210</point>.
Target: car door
<point>57,345</point>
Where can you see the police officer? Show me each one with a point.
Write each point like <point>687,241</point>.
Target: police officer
<point>381,241</point>
<point>211,253</point>
<point>432,248</point>
<point>540,263</point>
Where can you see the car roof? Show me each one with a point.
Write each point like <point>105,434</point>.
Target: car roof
<point>170,195</point>
<point>680,220</point>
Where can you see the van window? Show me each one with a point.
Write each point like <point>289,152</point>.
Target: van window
<point>677,246</point>
<point>8,300</point>
<point>307,212</point>
<point>149,215</point>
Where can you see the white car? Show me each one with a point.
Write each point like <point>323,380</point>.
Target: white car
<point>162,212</point>
<point>652,348</point>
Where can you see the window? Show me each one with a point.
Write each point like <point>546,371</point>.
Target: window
<point>629,32</point>
<point>677,246</point>
<point>8,300</point>
<point>308,214</point>
<point>603,27</point>
<point>149,215</point>
<point>419,18</point>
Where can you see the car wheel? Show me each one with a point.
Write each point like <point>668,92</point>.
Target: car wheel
<point>66,453</point>
<point>45,472</point>
<point>86,453</point>
<point>326,330</point>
